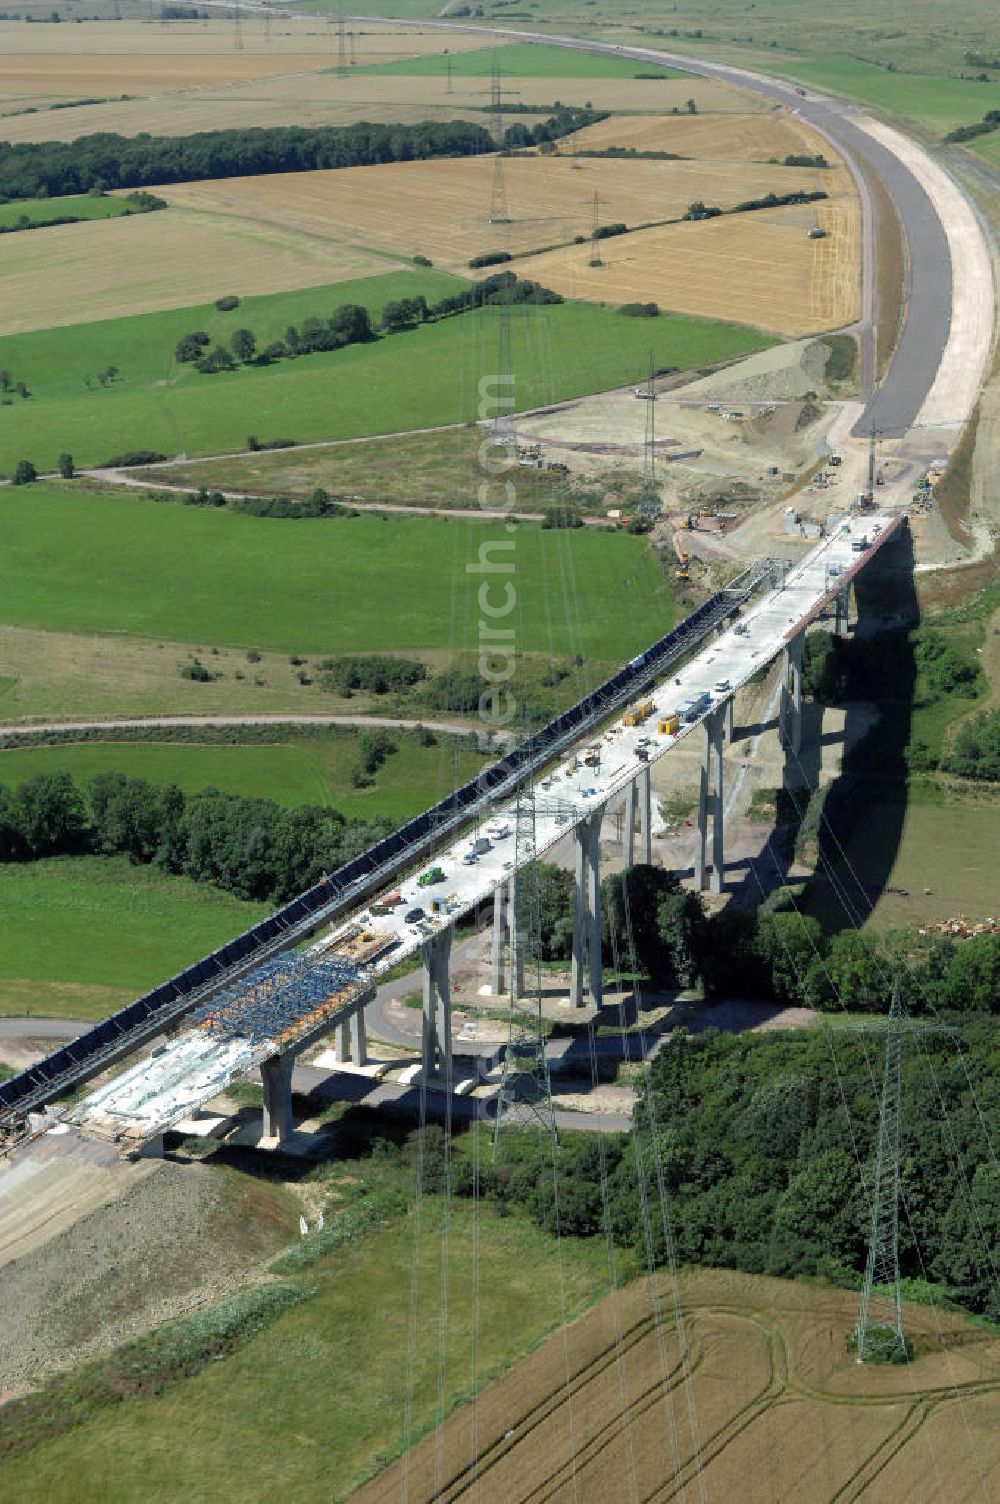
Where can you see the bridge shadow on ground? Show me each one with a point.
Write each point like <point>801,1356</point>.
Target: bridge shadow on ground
<point>845,834</point>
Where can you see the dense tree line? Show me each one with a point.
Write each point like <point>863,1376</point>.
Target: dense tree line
<point>764,1144</point>
<point>35,169</point>
<point>564,120</point>
<point>252,848</point>
<point>989,123</point>
<point>779,956</point>
<point>351,324</point>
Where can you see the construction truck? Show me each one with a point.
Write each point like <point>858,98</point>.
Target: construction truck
<point>669,724</point>
<point>637,713</point>
<point>431,876</point>
<point>592,757</point>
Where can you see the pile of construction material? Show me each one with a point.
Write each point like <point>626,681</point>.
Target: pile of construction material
<point>961,928</point>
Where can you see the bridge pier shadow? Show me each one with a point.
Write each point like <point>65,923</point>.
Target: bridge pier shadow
<point>848,831</point>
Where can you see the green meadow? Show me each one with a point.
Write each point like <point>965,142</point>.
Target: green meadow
<point>518,60</point>
<point>42,211</point>
<point>291,770</point>
<point>419,378</point>
<point>83,563</point>
<point>82,935</point>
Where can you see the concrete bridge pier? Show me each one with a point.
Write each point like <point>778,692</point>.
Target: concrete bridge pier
<point>790,710</point>
<point>498,948</point>
<point>435,1051</point>
<point>276,1076</point>
<point>507,945</point>
<point>350,1040</point>
<point>842,611</point>
<point>638,798</point>
<point>587,912</point>
<point>359,1037</point>
<point>711,803</point>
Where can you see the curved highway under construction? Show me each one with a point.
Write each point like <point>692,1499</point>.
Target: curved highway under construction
<point>257,1002</point>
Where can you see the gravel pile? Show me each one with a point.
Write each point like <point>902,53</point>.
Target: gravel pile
<point>781,374</point>
<point>177,1238</point>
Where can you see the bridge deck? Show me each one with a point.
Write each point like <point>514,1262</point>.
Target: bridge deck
<point>197,1065</point>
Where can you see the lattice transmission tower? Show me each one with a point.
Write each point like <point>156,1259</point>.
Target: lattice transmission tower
<point>595,239</point>
<point>341,46</point>
<point>525,1097</point>
<point>649,501</point>
<point>498,198</point>
<point>878,1332</point>
<point>237,27</point>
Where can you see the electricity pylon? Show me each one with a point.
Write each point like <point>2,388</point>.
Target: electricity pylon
<point>649,501</point>
<point>525,1097</point>
<point>498,199</point>
<point>595,253</point>
<point>878,1332</point>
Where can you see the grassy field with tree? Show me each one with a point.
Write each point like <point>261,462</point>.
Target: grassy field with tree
<point>82,563</point>
<point>152,402</point>
<point>83,935</point>
<point>290,769</point>
<point>43,211</point>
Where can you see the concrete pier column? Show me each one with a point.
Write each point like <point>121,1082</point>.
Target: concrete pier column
<point>587,912</point>
<point>631,801</point>
<point>342,1041</point>
<point>645,816</point>
<point>711,805</point>
<point>701,848</point>
<point>498,951</point>
<point>435,1051</point>
<point>790,716</point>
<point>728,714</point>
<point>716,727</point>
<point>359,1038</point>
<point>841,612</point>
<point>517,935</point>
<point>579,920</point>
<point>276,1076</point>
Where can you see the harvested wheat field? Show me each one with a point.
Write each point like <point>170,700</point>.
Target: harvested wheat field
<point>61,276</point>
<point>441,207</point>
<point>758,268</point>
<point>319,97</point>
<point>718,1407</point>
<point>741,138</point>
<point>43,63</point>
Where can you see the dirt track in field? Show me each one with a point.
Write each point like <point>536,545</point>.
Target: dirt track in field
<point>752,1397</point>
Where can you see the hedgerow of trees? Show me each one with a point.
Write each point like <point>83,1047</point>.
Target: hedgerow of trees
<point>252,848</point>
<point>351,324</point>
<point>38,168</point>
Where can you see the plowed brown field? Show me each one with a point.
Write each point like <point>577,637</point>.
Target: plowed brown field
<point>621,1405</point>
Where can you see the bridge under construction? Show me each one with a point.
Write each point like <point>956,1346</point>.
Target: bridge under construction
<point>312,967</point>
